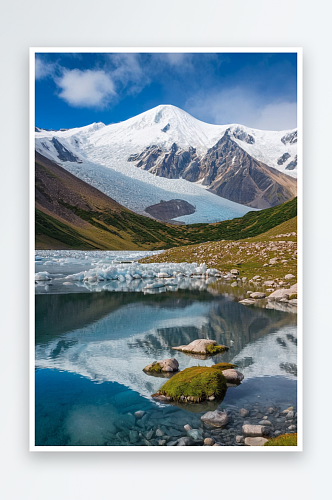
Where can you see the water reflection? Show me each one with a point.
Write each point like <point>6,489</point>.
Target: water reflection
<point>109,337</point>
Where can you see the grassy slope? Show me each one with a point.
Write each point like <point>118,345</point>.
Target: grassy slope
<point>72,214</point>
<point>247,255</point>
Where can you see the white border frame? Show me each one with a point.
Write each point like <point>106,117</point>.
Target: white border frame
<point>195,449</point>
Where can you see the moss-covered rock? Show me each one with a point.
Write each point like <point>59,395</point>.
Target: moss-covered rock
<point>165,366</point>
<point>194,384</point>
<point>224,366</point>
<point>283,440</point>
<point>215,349</point>
<point>292,296</point>
<point>205,347</point>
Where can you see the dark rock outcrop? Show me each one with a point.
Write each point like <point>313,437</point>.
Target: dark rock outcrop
<point>226,169</point>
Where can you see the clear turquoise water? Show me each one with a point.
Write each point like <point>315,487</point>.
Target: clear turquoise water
<point>91,349</point>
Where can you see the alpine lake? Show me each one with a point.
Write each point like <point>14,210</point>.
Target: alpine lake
<point>93,338</point>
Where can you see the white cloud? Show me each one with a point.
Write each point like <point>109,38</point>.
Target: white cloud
<point>89,88</point>
<point>242,106</point>
<point>43,69</point>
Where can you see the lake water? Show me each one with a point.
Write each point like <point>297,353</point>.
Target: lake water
<point>91,349</point>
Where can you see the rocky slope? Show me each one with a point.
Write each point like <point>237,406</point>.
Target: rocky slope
<point>226,169</point>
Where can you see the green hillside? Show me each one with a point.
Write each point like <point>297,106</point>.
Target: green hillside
<point>71,214</point>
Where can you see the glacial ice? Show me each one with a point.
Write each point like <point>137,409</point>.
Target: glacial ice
<point>100,271</point>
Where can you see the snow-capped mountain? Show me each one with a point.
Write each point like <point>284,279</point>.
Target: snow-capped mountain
<point>110,158</point>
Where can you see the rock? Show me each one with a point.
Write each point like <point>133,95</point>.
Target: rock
<point>244,279</point>
<point>211,398</point>
<point>233,376</point>
<point>255,430</point>
<point>209,442</point>
<point>255,441</point>
<point>216,418</point>
<point>273,261</point>
<point>195,434</point>
<point>290,415</point>
<point>149,434</point>
<point>217,444</point>
<point>265,418</point>
<point>235,272</point>
<point>277,433</point>
<point>199,346</point>
<point>290,408</point>
<point>187,427</point>
<point>166,365</point>
<point>133,436</point>
<point>258,295</point>
<point>282,293</point>
<point>159,433</point>
<point>292,428</point>
<point>234,284</point>
<point>171,443</point>
<point>243,413</point>
<point>161,398</point>
<point>247,302</point>
<point>256,278</point>
<point>161,442</point>
<point>269,283</point>
<point>265,422</point>
<point>289,276</point>
<point>185,441</point>
<point>249,292</point>
<point>270,410</point>
<point>293,288</point>
<point>239,439</point>
<point>139,414</point>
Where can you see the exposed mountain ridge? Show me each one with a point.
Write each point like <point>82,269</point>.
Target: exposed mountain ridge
<point>226,169</point>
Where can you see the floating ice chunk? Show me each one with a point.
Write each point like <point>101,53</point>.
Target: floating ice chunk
<point>42,276</point>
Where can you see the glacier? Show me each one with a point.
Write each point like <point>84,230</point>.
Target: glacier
<point>102,153</point>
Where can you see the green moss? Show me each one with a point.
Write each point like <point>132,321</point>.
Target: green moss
<point>215,349</point>
<point>224,366</point>
<point>197,382</point>
<point>155,368</point>
<point>293,296</point>
<point>283,440</point>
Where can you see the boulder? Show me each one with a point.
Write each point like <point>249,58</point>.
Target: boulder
<point>201,346</point>
<point>255,441</point>
<point>269,283</point>
<point>166,365</point>
<point>216,418</point>
<point>247,302</point>
<point>278,295</point>
<point>258,295</point>
<point>233,376</point>
<point>255,430</point>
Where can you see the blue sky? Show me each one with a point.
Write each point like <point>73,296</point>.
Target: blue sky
<point>253,89</point>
